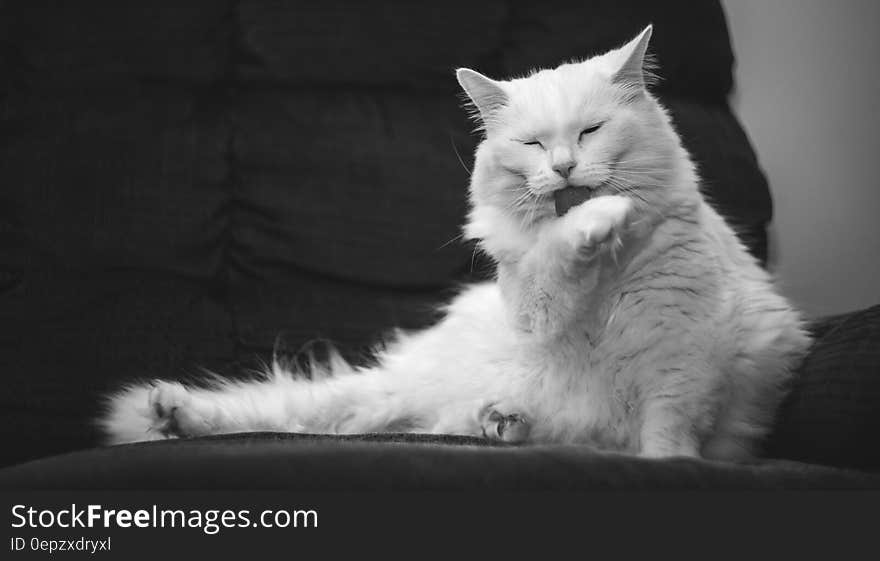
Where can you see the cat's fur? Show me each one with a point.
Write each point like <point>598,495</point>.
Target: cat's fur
<point>635,322</point>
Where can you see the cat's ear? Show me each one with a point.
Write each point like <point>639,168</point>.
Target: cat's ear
<point>487,95</point>
<point>632,71</point>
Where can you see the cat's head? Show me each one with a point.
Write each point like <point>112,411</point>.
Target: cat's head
<point>591,123</point>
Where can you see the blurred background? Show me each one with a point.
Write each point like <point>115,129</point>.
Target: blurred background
<point>806,92</point>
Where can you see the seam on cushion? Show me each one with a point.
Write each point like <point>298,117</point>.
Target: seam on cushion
<point>845,320</point>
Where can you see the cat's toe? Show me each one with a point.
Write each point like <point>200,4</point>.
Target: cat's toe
<point>512,428</point>
<point>600,221</point>
<point>170,404</point>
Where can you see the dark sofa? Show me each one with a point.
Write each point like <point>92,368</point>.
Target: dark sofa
<point>199,184</point>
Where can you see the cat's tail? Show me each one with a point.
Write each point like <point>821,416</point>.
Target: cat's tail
<point>329,396</point>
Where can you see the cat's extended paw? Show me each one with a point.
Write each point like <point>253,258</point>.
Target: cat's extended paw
<point>506,427</point>
<point>597,221</point>
<point>174,411</point>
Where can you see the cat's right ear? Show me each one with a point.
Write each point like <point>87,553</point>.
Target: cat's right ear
<point>487,95</point>
<point>633,70</point>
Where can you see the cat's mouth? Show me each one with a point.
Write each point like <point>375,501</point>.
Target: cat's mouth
<point>571,196</point>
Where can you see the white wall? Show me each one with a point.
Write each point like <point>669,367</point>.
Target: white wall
<point>808,94</point>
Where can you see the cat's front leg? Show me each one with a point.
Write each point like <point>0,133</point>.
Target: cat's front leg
<point>670,429</point>
<point>541,303</point>
<point>679,407</point>
<point>554,281</point>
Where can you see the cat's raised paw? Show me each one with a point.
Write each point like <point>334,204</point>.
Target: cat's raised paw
<point>598,221</point>
<point>513,427</point>
<point>174,412</point>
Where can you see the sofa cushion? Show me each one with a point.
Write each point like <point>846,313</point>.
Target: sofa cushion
<point>401,463</point>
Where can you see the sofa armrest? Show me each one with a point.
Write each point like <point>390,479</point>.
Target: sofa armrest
<point>832,414</point>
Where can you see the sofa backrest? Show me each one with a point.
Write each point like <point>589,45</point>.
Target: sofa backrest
<point>182,181</point>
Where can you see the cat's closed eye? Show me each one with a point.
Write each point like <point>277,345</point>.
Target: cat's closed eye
<point>590,130</point>
<point>533,143</point>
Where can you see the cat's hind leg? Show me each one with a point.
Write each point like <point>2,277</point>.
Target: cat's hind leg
<point>344,404</point>
<point>160,409</point>
<point>177,412</point>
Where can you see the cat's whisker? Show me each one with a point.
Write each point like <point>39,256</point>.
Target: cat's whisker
<point>520,200</point>
<point>636,161</point>
<point>458,155</point>
<point>628,190</point>
<point>652,172</point>
<point>454,239</point>
<point>654,159</point>
<point>527,215</point>
<point>473,259</point>
<point>642,168</point>
<point>522,193</point>
<point>637,182</point>
<point>531,206</point>
<point>646,205</point>
<point>633,195</point>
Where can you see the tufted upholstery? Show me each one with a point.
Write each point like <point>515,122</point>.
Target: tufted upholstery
<point>182,181</point>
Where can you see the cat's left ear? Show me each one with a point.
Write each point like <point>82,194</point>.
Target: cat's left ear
<point>632,56</point>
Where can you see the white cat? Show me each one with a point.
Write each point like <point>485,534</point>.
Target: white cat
<point>634,322</point>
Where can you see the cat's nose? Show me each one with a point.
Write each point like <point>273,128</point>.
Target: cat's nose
<point>563,168</point>
<point>562,161</point>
